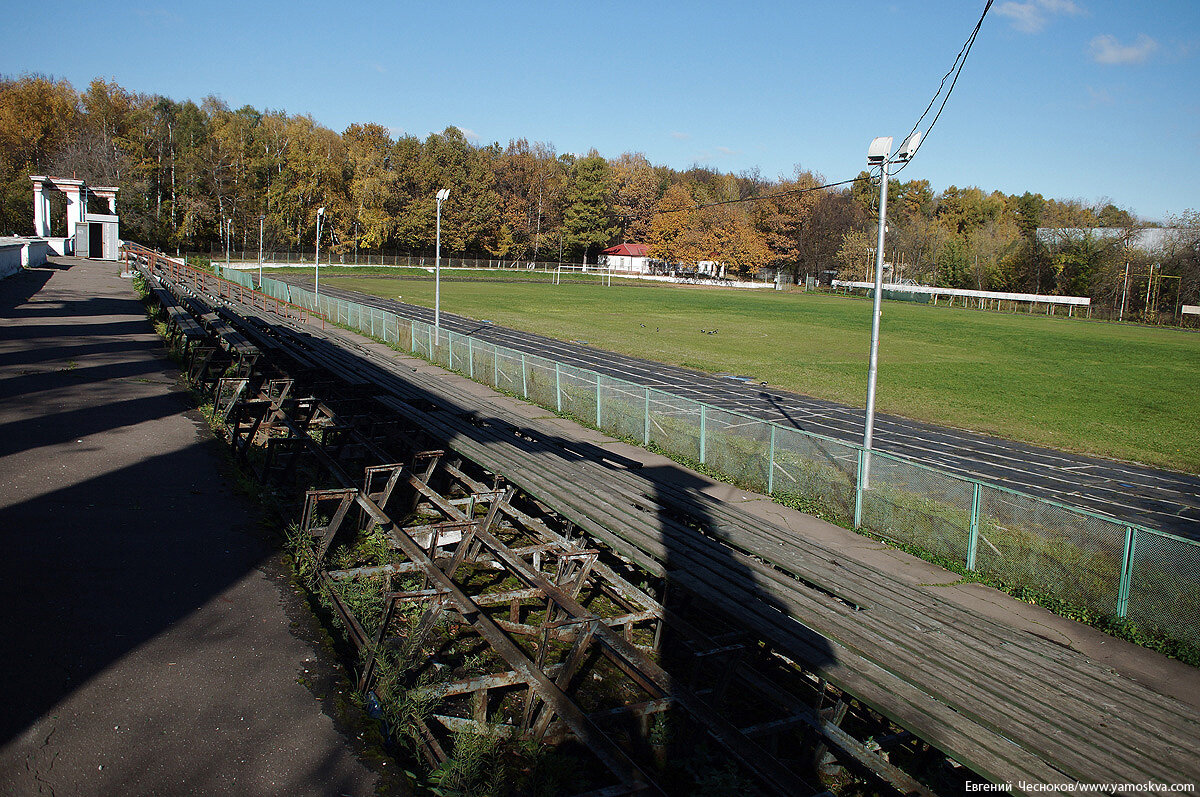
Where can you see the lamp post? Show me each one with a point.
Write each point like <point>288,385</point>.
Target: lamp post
<point>317,265</point>
<point>880,154</point>
<point>261,219</point>
<point>437,269</point>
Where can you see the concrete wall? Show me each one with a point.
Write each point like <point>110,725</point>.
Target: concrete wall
<point>10,257</point>
<point>35,252</point>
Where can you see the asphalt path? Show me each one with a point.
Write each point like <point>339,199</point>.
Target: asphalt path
<point>1159,499</point>
<point>153,640</point>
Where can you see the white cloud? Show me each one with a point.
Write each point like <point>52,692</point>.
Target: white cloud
<point>469,134</point>
<point>1107,50</point>
<point>675,134</point>
<point>1034,15</point>
<point>727,151</point>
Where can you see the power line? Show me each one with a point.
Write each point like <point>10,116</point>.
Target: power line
<point>956,69</point>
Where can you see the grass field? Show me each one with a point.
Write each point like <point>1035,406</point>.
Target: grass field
<point>1120,391</point>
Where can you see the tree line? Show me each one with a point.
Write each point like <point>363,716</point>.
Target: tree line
<point>199,176</point>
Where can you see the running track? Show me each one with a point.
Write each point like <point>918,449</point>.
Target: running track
<point>1159,499</point>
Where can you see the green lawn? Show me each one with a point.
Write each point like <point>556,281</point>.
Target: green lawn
<point>1112,390</point>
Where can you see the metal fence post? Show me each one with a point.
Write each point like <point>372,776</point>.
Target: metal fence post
<point>412,329</point>
<point>973,539</point>
<point>524,381</point>
<point>703,432</point>
<point>557,388</point>
<point>450,347</point>
<point>858,491</point>
<point>597,401</point>
<point>470,356</point>
<point>1126,571</point>
<point>646,434</point>
<point>495,366</point>
<point>771,465</point>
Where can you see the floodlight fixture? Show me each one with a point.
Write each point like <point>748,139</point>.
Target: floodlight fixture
<point>879,150</point>
<point>909,147</point>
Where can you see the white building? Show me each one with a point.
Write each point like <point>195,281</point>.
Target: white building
<point>627,257</point>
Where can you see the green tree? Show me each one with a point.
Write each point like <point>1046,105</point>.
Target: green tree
<point>588,224</point>
<point>953,267</point>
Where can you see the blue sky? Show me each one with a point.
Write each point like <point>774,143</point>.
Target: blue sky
<point>1070,98</point>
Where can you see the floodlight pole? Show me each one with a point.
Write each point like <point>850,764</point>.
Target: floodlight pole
<point>437,270</point>
<point>317,258</point>
<point>261,219</point>
<point>880,153</point>
<point>875,313</point>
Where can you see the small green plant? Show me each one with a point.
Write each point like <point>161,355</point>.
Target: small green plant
<point>476,769</point>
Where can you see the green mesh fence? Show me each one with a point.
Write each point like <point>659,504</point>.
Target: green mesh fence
<point>815,469</point>
<point>541,382</point>
<point>510,372</point>
<point>1164,584</point>
<point>675,425</point>
<point>578,389</point>
<point>1074,556</point>
<point>623,409</point>
<point>917,505</point>
<point>738,446</point>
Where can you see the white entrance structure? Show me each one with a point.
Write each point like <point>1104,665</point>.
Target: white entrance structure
<point>94,235</point>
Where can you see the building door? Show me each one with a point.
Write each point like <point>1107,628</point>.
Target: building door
<point>81,239</point>
<point>95,239</point>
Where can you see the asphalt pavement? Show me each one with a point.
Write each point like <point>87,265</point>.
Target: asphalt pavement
<point>153,642</point>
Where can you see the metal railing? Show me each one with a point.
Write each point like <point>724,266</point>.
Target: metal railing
<point>1091,564</point>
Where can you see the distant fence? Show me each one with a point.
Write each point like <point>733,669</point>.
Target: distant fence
<point>980,299</point>
<point>364,258</point>
<point>245,259</point>
<point>1089,562</point>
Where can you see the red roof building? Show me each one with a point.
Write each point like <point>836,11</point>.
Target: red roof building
<point>628,250</point>
<point>627,257</point>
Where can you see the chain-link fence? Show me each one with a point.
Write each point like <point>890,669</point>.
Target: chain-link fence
<point>1091,564</point>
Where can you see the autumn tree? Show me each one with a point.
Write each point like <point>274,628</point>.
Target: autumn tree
<point>672,236</point>
<point>529,187</point>
<point>783,219</point>
<point>38,118</point>
<point>636,189</point>
<point>368,152</point>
